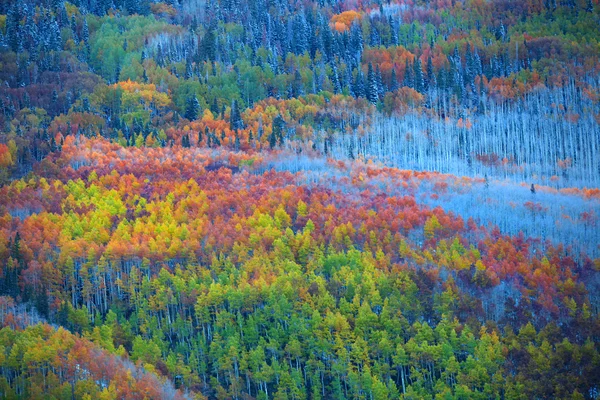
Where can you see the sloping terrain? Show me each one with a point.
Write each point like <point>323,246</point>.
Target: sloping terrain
<point>279,200</point>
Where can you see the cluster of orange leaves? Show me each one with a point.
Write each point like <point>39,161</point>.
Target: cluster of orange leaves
<point>343,21</point>
<point>5,156</point>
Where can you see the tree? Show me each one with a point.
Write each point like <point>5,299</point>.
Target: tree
<point>185,140</point>
<point>419,81</point>
<point>359,84</point>
<point>13,25</point>
<point>409,79</point>
<point>431,82</point>
<point>272,140</point>
<point>372,87</point>
<point>192,108</point>
<point>235,118</point>
<point>85,32</point>
<point>297,85</point>
<point>393,81</point>
<point>208,45</point>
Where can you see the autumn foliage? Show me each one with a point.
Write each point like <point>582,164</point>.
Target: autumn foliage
<point>237,199</point>
<point>342,22</point>
<point>185,237</point>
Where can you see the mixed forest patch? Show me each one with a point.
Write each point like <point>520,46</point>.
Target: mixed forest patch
<point>270,199</point>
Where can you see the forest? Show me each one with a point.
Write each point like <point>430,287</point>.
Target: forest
<point>317,199</point>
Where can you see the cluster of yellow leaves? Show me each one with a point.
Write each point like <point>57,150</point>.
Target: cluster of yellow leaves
<point>133,92</point>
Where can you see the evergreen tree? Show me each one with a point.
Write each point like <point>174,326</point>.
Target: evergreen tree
<point>208,45</point>
<point>272,140</point>
<point>372,89</point>
<point>278,132</point>
<point>375,38</point>
<point>456,59</point>
<point>74,28</point>
<point>393,81</point>
<point>501,34</point>
<point>235,118</point>
<point>408,76</point>
<point>55,36</point>
<point>192,108</point>
<point>237,142</point>
<point>16,248</point>
<point>133,6</point>
<point>589,6</point>
<point>356,43</point>
<point>431,80</point>
<point>214,108</point>
<point>13,27</point>
<point>379,82</point>
<point>359,84</point>
<point>298,86</point>
<point>85,32</point>
<point>335,79</point>
<point>393,31</point>
<point>470,67</point>
<point>419,82</point>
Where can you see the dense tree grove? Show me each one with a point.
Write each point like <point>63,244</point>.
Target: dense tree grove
<point>235,282</point>
<point>271,199</point>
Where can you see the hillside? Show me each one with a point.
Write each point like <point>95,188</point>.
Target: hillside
<point>270,199</point>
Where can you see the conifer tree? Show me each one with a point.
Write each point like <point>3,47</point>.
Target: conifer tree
<point>419,84</point>
<point>235,118</point>
<point>393,81</point>
<point>372,88</point>
<point>192,108</point>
